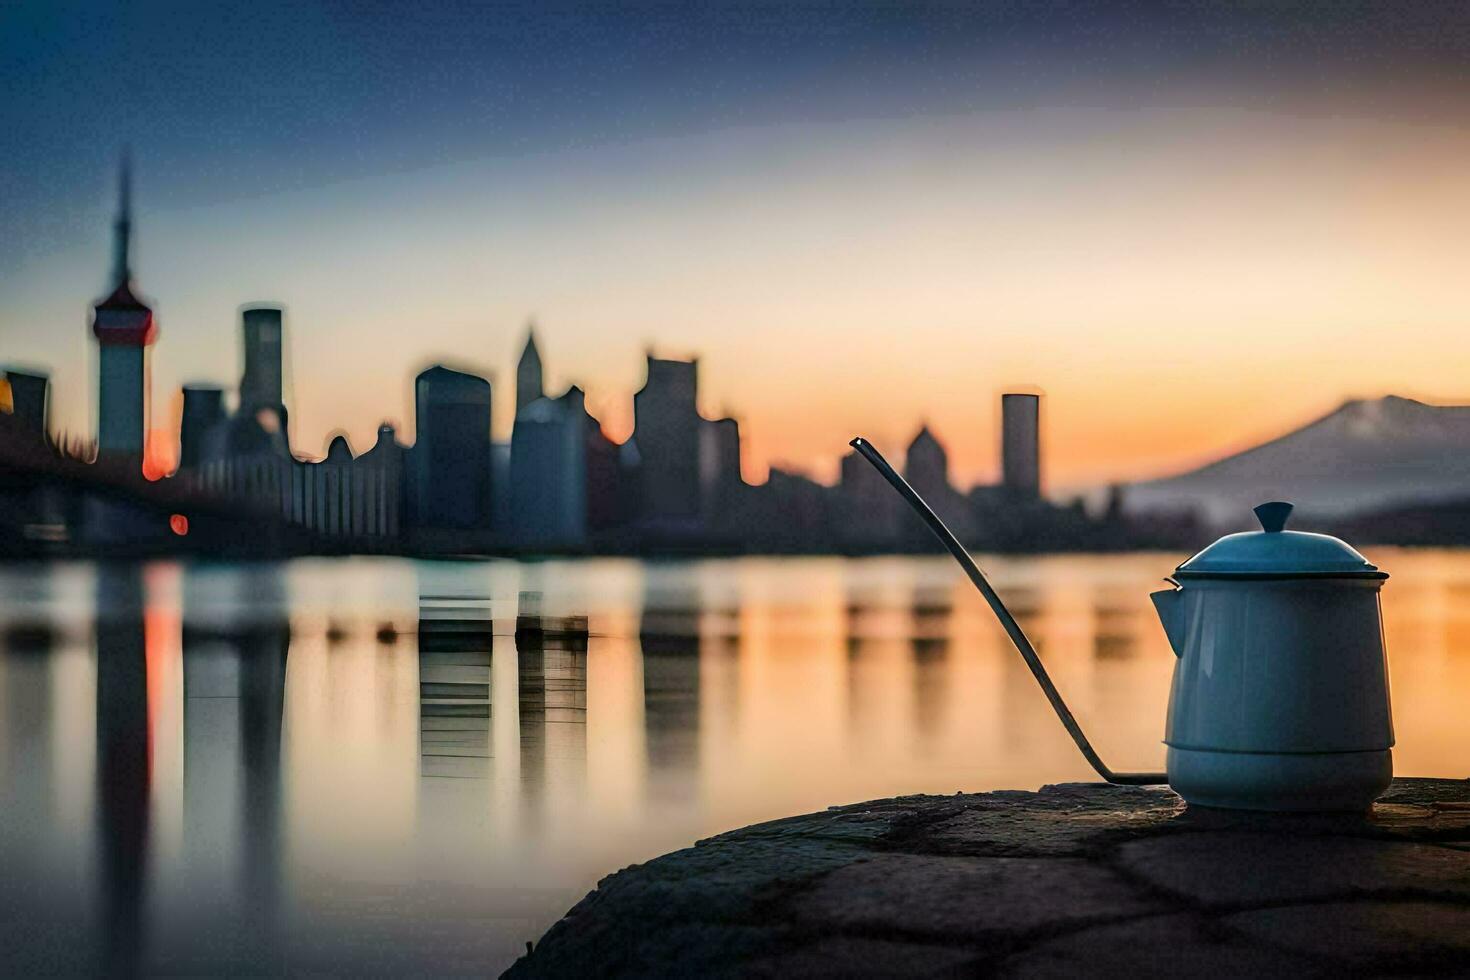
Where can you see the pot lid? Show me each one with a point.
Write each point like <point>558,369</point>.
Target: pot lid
<point>1275,552</point>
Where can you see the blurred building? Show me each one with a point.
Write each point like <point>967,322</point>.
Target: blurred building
<point>326,490</point>
<point>204,413</point>
<point>867,508</point>
<point>790,512</point>
<point>548,472</point>
<point>720,482</point>
<point>380,475</point>
<point>260,385</point>
<point>342,496</point>
<point>926,464</point>
<point>28,400</point>
<point>926,468</point>
<point>347,496</point>
<point>247,456</point>
<point>666,425</point>
<point>208,433</point>
<point>449,466</point>
<point>563,473</point>
<point>630,482</point>
<point>1021,445</point>
<point>124,328</point>
<point>528,373</point>
<point>500,484</point>
<point>605,484</point>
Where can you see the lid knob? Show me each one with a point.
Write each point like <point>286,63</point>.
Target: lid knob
<point>1273,515</point>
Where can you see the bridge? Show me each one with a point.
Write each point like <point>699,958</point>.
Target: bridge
<point>53,503</point>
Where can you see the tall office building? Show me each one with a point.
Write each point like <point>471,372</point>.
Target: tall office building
<point>720,483</point>
<point>379,476</point>
<point>1021,445</point>
<point>528,373</point>
<point>926,467</point>
<point>868,509</point>
<point>204,412</point>
<point>926,464</point>
<point>666,425</point>
<point>260,385</point>
<point>28,399</point>
<point>125,328</point>
<point>450,476</point>
<point>548,472</point>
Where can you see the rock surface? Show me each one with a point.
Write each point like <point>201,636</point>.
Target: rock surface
<point>1076,879</point>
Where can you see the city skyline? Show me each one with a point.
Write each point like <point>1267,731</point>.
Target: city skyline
<point>1240,235</point>
<point>560,483</point>
<point>611,407</point>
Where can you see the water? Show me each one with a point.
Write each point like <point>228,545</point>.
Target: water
<point>363,765</point>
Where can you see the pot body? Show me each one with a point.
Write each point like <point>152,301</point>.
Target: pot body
<point>1280,696</point>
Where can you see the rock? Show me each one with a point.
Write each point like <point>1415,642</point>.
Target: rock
<point>1077,879</point>
<point>1163,946</point>
<point>1234,868</point>
<point>717,880</point>
<point>1396,935</point>
<point>673,950</point>
<point>1434,793</point>
<point>1074,819</point>
<point>945,897</point>
<point>862,823</point>
<point>858,957</point>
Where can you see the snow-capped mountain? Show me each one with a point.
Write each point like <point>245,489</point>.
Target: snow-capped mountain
<point>1366,455</point>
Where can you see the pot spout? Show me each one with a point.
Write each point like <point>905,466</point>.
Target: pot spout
<point>1170,604</point>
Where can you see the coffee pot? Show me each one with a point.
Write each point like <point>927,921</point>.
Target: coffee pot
<point>1280,695</point>
<point>1280,692</point>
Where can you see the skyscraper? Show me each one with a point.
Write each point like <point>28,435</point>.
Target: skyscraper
<point>548,472</point>
<point>867,507</point>
<point>204,412</point>
<point>1021,445</point>
<point>28,399</point>
<point>449,483</point>
<point>260,385</point>
<point>926,467</point>
<point>720,482</point>
<point>528,372</point>
<point>122,225</point>
<point>926,464</point>
<point>124,328</point>
<point>666,427</point>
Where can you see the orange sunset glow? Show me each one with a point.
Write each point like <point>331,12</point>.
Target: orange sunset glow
<point>1182,272</point>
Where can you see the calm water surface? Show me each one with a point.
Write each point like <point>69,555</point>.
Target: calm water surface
<point>386,765</point>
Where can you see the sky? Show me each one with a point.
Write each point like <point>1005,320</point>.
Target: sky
<point>1192,228</point>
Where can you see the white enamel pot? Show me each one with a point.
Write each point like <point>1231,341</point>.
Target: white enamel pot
<point>1280,694</point>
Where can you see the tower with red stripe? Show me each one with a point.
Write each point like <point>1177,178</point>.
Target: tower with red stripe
<point>125,328</point>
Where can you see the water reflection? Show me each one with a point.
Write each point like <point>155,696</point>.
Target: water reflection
<point>668,634</point>
<point>330,766</point>
<point>124,765</point>
<point>456,637</point>
<point>234,686</point>
<point>551,656</point>
<point>932,609</point>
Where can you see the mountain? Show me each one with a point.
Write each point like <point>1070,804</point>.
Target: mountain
<point>1366,455</point>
